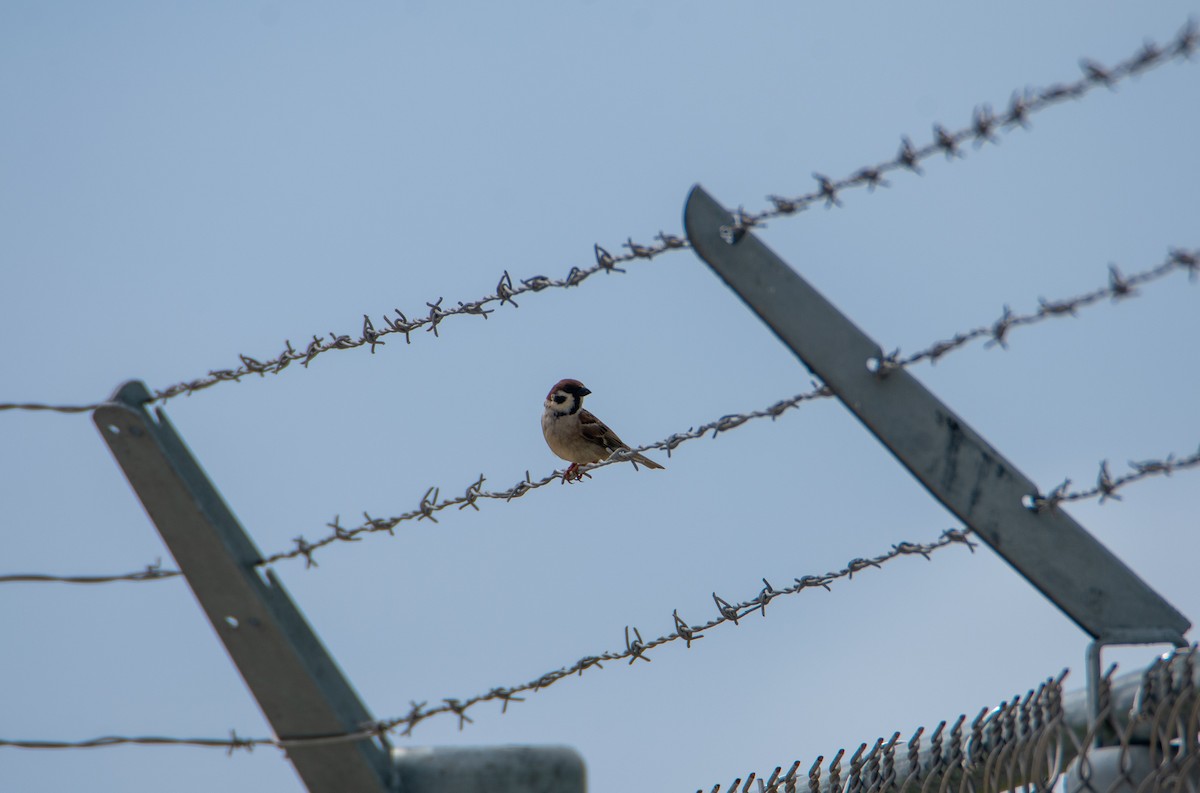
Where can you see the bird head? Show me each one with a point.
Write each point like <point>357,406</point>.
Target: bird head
<point>566,396</point>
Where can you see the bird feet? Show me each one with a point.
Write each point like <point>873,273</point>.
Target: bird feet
<point>573,474</point>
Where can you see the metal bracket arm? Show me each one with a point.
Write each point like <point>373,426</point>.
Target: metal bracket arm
<point>962,471</point>
<point>297,683</point>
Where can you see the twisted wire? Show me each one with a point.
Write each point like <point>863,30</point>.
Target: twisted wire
<point>984,127</point>
<point>635,649</point>
<point>152,572</point>
<point>38,406</point>
<point>371,336</point>
<point>1106,486</point>
<point>1117,288</point>
<point>232,743</point>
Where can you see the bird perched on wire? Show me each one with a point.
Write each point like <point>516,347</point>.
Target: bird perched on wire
<point>576,435</point>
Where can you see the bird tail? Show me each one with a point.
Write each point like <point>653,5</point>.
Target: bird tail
<point>646,461</point>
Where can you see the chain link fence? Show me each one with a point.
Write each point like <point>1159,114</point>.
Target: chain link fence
<point>1145,738</point>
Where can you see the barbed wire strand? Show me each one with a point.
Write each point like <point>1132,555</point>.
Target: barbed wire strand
<point>635,649</point>
<point>35,406</point>
<point>1106,488</point>
<point>152,572</point>
<point>984,127</point>
<point>231,743</point>
<point>1118,287</point>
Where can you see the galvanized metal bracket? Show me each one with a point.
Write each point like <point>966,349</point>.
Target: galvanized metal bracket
<point>958,467</point>
<point>299,687</point>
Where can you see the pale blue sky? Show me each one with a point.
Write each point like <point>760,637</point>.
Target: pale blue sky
<point>182,183</point>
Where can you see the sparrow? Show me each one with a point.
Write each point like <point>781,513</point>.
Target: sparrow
<point>576,435</point>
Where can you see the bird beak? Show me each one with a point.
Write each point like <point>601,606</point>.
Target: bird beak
<point>584,392</point>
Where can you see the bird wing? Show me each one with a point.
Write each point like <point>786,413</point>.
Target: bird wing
<point>598,432</point>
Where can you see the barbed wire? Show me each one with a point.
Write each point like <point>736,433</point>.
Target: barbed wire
<point>371,336</point>
<point>983,129</point>
<point>1118,288</point>
<point>432,503</point>
<point>36,406</point>
<point>152,572</point>
<point>1106,486</point>
<point>232,743</point>
<point>1104,489</point>
<point>635,649</point>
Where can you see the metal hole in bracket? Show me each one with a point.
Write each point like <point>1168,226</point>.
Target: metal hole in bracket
<point>1029,502</point>
<point>874,365</point>
<point>731,234</point>
<point>232,621</point>
<point>114,429</point>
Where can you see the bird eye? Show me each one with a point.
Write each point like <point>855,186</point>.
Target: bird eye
<point>559,399</point>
